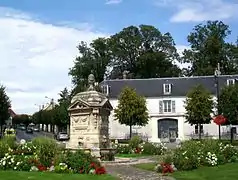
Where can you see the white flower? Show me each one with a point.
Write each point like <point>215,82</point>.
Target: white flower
<point>22,141</point>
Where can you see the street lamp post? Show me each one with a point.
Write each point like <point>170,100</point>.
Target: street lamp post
<point>51,100</point>
<point>217,73</point>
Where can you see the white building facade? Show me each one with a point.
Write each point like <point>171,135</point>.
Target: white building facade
<point>166,107</point>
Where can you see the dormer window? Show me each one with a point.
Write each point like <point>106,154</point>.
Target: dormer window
<point>167,88</point>
<point>106,89</point>
<point>230,82</point>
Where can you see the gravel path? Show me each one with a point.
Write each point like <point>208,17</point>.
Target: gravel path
<point>127,172</point>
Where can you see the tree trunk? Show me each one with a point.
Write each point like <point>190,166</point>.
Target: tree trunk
<point>232,134</point>
<point>199,132</point>
<point>130,131</point>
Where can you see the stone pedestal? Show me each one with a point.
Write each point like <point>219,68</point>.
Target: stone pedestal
<point>89,112</point>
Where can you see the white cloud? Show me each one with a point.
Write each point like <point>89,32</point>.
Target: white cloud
<point>113,2</point>
<point>36,57</point>
<point>201,10</point>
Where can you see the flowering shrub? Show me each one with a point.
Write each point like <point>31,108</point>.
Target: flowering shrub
<point>28,157</point>
<point>26,148</point>
<point>192,154</point>
<point>62,168</point>
<point>165,168</point>
<point>145,148</point>
<point>46,149</point>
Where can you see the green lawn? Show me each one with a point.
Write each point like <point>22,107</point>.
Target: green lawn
<point>223,172</point>
<point>13,175</point>
<point>146,166</point>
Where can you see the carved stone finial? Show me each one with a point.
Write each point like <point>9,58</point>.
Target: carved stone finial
<point>91,82</point>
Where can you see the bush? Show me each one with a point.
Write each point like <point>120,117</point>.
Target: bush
<point>46,150</point>
<point>135,142</point>
<point>3,148</point>
<point>152,148</point>
<point>124,149</point>
<point>134,147</point>
<point>10,141</point>
<point>193,154</point>
<point>79,161</point>
<point>26,149</point>
<point>43,154</point>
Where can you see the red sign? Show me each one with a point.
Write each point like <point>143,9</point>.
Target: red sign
<point>219,120</point>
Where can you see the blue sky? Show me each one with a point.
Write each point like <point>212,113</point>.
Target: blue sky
<point>38,38</point>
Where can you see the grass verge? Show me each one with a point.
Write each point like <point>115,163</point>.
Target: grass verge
<point>222,172</point>
<point>145,166</point>
<point>13,175</point>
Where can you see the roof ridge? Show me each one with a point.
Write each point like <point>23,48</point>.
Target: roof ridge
<point>181,77</point>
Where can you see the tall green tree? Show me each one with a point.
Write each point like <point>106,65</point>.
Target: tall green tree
<point>208,48</point>
<point>144,52</point>
<point>21,119</point>
<point>94,58</point>
<point>199,107</point>
<point>5,104</point>
<point>61,111</point>
<point>131,109</point>
<point>228,103</point>
<point>65,97</point>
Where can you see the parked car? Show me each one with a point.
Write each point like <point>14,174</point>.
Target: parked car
<point>22,128</point>
<point>62,136</point>
<point>29,130</point>
<point>36,129</point>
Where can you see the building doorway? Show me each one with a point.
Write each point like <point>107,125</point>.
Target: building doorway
<point>167,129</point>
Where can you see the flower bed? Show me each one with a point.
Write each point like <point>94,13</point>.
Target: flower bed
<point>43,154</point>
<point>193,154</point>
<point>137,146</point>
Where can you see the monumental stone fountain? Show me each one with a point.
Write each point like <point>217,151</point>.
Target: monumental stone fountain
<point>89,121</point>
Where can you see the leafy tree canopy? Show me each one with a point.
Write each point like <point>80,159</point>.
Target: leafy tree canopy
<point>199,106</point>
<point>131,109</point>
<point>208,48</point>
<point>5,104</point>
<point>144,52</point>
<point>58,115</point>
<point>21,118</point>
<point>228,103</point>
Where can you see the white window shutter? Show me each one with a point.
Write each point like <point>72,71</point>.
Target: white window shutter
<point>173,107</point>
<point>160,107</point>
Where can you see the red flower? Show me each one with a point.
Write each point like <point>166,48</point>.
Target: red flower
<point>219,120</point>
<point>138,150</point>
<point>166,168</point>
<point>81,170</point>
<point>41,167</point>
<point>92,165</point>
<point>100,170</point>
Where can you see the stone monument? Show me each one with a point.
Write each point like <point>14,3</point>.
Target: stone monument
<point>89,112</point>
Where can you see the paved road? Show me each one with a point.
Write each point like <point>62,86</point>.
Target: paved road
<point>27,136</point>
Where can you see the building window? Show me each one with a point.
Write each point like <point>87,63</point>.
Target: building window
<point>230,82</point>
<point>106,89</point>
<point>196,129</point>
<point>167,106</point>
<point>167,88</point>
